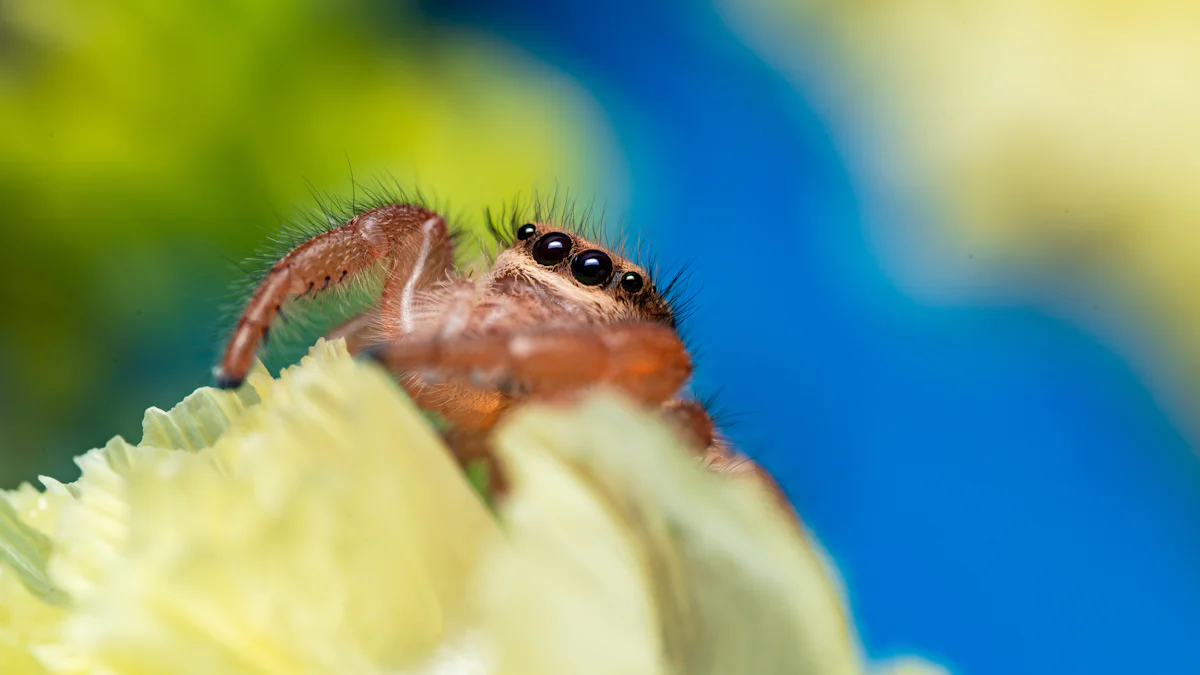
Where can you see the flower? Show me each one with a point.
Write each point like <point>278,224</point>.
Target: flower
<point>316,524</point>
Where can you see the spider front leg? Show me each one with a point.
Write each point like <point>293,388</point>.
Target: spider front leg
<point>414,239</point>
<point>646,361</point>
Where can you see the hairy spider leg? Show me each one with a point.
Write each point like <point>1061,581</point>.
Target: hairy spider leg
<point>415,239</point>
<point>693,421</point>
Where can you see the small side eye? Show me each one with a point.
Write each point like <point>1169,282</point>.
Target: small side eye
<point>592,268</point>
<point>631,282</point>
<point>552,249</point>
<point>526,231</point>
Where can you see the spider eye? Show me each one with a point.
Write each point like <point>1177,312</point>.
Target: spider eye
<point>526,231</point>
<point>592,268</point>
<point>552,249</point>
<point>631,282</point>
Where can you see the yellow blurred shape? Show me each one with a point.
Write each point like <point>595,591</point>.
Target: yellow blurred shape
<point>323,530</point>
<point>137,104</point>
<point>1052,137</point>
<point>615,530</point>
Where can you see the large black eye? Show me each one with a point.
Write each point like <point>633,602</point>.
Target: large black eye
<point>552,249</point>
<point>592,268</point>
<point>631,282</point>
<point>526,231</point>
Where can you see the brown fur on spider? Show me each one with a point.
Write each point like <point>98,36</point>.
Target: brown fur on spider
<point>556,314</point>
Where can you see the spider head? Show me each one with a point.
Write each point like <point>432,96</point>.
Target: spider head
<point>579,275</point>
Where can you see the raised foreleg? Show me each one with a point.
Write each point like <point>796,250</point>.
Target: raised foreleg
<point>414,239</point>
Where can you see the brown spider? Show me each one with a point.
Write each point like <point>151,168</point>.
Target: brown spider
<point>556,314</point>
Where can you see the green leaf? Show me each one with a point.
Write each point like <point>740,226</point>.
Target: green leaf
<point>479,475</point>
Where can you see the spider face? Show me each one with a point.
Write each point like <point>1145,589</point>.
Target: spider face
<point>578,276</point>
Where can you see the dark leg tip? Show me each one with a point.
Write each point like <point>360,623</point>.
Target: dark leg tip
<point>223,381</point>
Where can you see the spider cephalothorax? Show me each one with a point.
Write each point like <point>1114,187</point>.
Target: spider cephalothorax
<point>553,315</point>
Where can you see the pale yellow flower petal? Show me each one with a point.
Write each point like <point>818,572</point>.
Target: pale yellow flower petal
<point>26,551</point>
<point>24,621</point>
<point>25,618</point>
<point>93,526</point>
<point>326,530</point>
<point>200,419</point>
<point>567,592</point>
<point>35,508</point>
<point>627,556</point>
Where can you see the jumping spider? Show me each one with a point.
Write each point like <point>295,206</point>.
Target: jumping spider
<point>554,315</point>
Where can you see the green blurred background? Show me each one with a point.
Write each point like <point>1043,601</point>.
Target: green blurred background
<point>146,145</point>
